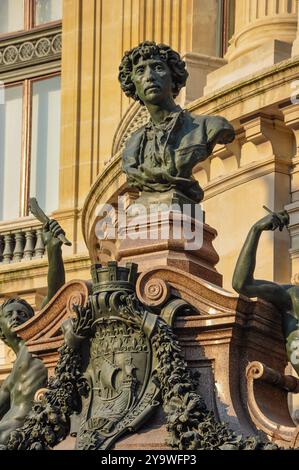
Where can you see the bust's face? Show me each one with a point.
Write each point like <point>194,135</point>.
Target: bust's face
<point>11,316</point>
<point>153,81</point>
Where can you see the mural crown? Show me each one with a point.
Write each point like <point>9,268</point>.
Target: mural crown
<point>113,277</point>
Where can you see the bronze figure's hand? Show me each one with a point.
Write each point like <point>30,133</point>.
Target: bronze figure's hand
<point>51,232</point>
<point>273,221</point>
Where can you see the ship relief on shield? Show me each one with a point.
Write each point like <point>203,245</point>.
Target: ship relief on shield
<point>118,373</point>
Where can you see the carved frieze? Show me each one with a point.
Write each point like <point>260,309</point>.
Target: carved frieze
<point>30,49</point>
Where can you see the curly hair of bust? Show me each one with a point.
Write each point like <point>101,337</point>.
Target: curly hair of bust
<point>147,50</point>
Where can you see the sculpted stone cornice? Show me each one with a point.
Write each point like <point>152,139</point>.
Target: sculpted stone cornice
<point>265,82</point>
<point>32,48</point>
<point>245,174</point>
<point>215,306</point>
<point>38,267</point>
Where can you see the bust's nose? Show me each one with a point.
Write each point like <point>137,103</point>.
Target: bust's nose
<point>14,315</point>
<point>148,74</point>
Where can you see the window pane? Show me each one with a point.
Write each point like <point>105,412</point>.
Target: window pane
<point>45,145</point>
<point>10,152</point>
<point>11,16</point>
<point>47,10</point>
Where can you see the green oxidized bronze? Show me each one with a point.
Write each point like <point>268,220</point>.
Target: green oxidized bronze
<point>283,297</point>
<point>121,392</point>
<point>28,374</point>
<point>120,362</point>
<point>160,156</point>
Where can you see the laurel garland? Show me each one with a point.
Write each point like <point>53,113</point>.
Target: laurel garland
<point>190,424</point>
<point>48,423</point>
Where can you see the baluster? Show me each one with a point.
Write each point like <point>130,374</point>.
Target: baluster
<point>19,247</point>
<point>30,243</point>
<point>8,247</point>
<point>40,246</point>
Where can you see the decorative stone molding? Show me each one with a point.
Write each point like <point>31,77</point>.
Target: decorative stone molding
<point>30,49</point>
<point>230,322</point>
<point>153,292</point>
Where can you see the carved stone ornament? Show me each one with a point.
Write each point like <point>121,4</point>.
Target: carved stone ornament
<point>31,49</point>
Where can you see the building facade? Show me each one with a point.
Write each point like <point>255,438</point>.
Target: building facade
<point>64,121</point>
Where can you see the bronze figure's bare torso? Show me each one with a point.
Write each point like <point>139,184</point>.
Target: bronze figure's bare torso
<point>284,297</point>
<point>28,374</point>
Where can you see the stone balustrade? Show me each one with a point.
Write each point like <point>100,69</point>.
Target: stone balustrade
<point>21,243</point>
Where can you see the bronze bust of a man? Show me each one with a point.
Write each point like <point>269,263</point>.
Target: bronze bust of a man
<point>160,156</point>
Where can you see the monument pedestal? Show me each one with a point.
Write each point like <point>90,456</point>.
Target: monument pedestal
<point>170,239</point>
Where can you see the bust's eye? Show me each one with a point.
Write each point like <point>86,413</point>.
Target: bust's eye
<point>139,70</point>
<point>159,68</point>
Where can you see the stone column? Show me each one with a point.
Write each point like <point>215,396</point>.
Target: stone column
<point>264,34</point>
<point>295,49</point>
<point>258,21</point>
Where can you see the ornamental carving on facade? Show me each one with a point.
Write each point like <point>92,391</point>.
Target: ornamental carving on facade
<point>22,52</point>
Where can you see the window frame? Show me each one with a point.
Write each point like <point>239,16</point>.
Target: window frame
<point>13,85</point>
<point>30,73</point>
<point>25,158</point>
<point>29,22</point>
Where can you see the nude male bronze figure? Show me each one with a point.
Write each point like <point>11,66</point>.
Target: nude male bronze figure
<point>28,373</point>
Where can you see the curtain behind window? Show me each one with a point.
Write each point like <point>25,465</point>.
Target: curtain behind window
<point>10,152</point>
<point>45,144</point>
<point>11,16</point>
<point>47,10</point>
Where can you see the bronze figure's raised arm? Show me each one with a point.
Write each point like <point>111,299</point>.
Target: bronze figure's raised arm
<point>28,373</point>
<point>283,297</point>
<point>160,156</point>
